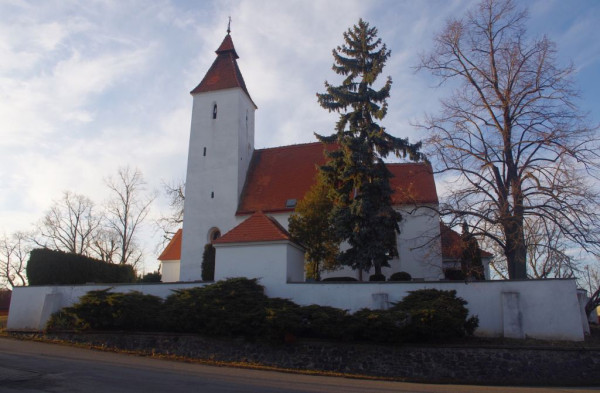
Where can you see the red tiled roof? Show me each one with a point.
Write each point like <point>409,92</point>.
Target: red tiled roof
<point>452,244</point>
<point>412,183</point>
<point>227,46</point>
<point>281,173</point>
<point>278,174</point>
<point>257,228</point>
<point>224,72</point>
<point>173,250</point>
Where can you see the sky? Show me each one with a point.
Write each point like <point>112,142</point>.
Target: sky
<point>87,87</point>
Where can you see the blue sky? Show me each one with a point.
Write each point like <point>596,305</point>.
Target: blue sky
<point>87,87</point>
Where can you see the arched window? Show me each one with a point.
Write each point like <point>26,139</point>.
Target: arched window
<point>215,110</point>
<point>213,234</point>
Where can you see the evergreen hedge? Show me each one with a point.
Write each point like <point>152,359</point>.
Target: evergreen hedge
<point>49,267</point>
<point>436,315</point>
<point>238,307</point>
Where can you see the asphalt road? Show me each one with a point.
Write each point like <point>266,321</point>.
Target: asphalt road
<point>27,366</point>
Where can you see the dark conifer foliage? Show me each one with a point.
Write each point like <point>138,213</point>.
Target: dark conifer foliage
<point>359,180</point>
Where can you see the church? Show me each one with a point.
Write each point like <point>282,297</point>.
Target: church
<point>240,198</point>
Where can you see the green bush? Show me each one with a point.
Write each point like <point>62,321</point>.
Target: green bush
<point>377,277</point>
<point>49,267</point>
<point>234,307</point>
<point>104,310</point>
<point>208,263</point>
<point>381,326</point>
<point>436,315</point>
<point>282,319</point>
<point>151,277</point>
<point>238,307</point>
<point>65,319</point>
<point>400,276</point>
<point>324,322</point>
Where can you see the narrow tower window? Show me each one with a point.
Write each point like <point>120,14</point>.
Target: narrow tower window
<point>215,111</point>
<point>204,153</point>
<point>212,194</point>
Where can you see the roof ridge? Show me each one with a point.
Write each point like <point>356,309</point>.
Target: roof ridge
<point>289,146</point>
<point>423,163</point>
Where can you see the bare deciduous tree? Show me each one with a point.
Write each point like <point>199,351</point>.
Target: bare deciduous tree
<point>69,225</point>
<point>547,253</point>
<point>14,251</point>
<point>170,223</point>
<point>105,245</point>
<point>512,137</point>
<point>126,210</point>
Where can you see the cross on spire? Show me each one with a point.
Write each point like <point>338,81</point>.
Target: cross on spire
<point>229,26</point>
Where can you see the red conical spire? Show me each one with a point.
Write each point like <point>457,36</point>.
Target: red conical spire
<point>224,72</point>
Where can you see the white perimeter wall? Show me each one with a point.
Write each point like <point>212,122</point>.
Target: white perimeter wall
<point>543,309</point>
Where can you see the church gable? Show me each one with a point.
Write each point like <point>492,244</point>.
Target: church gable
<point>257,228</point>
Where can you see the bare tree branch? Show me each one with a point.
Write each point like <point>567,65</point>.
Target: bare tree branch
<point>69,225</point>
<point>169,224</point>
<point>521,154</point>
<point>126,210</point>
<point>14,251</point>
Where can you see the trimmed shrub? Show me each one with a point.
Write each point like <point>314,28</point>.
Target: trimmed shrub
<point>208,263</point>
<point>339,279</point>
<point>49,267</point>
<point>238,307</point>
<point>65,319</point>
<point>400,276</point>
<point>282,319</point>
<point>324,322</point>
<point>382,326</point>
<point>151,277</point>
<point>436,315</point>
<point>104,310</point>
<point>376,277</point>
<point>234,307</point>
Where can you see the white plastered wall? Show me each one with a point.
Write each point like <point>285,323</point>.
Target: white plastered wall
<point>274,263</point>
<point>419,245</point>
<point>170,271</point>
<point>544,309</point>
<point>220,151</point>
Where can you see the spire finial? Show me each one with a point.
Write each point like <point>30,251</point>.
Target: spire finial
<point>229,26</point>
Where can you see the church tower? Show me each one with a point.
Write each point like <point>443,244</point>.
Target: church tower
<point>221,146</point>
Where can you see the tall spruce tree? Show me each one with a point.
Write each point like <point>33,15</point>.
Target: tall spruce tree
<point>358,178</point>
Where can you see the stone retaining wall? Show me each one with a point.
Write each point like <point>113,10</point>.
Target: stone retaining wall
<point>464,365</point>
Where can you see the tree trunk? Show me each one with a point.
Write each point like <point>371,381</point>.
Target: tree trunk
<point>377,268</point>
<point>516,251</point>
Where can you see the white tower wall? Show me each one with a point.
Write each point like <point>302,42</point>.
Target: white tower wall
<point>219,154</point>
